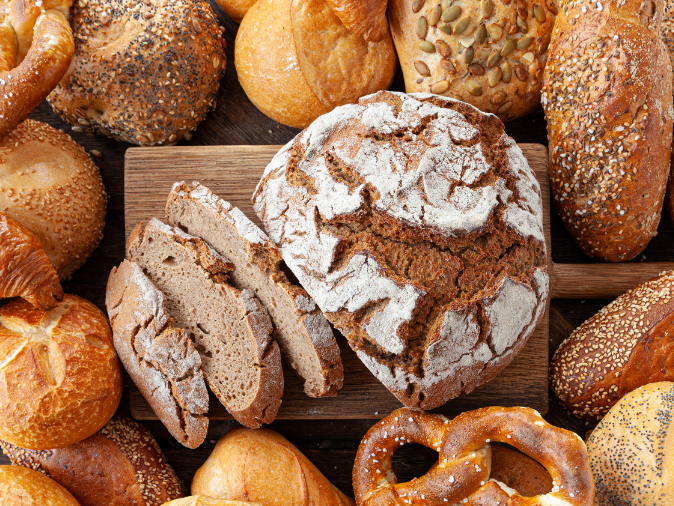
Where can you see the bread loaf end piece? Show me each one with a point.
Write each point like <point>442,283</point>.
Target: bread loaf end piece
<point>230,328</point>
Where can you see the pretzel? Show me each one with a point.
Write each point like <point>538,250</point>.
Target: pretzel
<point>461,474</point>
<point>36,47</point>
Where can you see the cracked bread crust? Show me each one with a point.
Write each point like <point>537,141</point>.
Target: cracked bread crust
<point>415,223</point>
<point>300,327</point>
<point>160,358</point>
<point>230,328</point>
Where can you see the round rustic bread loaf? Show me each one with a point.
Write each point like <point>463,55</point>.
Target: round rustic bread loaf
<point>415,223</point>
<point>488,53</point>
<point>49,185</point>
<point>24,487</point>
<point>60,380</point>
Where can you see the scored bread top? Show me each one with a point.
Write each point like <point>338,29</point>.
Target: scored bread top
<point>300,327</point>
<point>416,225</point>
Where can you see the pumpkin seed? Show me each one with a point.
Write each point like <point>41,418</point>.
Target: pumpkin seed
<point>469,54</point>
<point>521,72</point>
<point>493,59</point>
<point>446,29</point>
<point>426,46</point>
<point>552,5</point>
<point>539,13</point>
<point>504,108</point>
<point>522,25</point>
<point>461,25</point>
<point>474,88</point>
<point>422,68</point>
<point>417,5</point>
<point>507,70</point>
<point>451,13</point>
<point>495,31</point>
<point>487,8</point>
<point>524,42</point>
<point>443,48</point>
<point>440,87</point>
<point>495,77</point>
<point>508,47</point>
<point>435,14</point>
<point>480,34</point>
<point>544,43</point>
<point>522,9</point>
<point>422,27</point>
<point>498,98</point>
<point>476,69</point>
<point>447,66</point>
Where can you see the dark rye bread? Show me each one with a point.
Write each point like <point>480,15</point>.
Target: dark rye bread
<point>627,344</point>
<point>230,328</point>
<point>415,223</point>
<point>300,328</point>
<point>160,358</point>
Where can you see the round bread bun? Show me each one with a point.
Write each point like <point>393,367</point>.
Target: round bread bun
<point>519,472</point>
<point>202,500</point>
<point>60,379</point>
<point>49,185</point>
<point>631,451</point>
<point>24,487</point>
<point>143,72</point>
<point>236,9</point>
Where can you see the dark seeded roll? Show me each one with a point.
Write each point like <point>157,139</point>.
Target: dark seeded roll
<point>143,72</point>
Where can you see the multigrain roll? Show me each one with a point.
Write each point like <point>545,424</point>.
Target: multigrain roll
<point>50,185</point>
<point>626,345</point>
<point>24,487</point>
<point>607,95</point>
<point>143,72</point>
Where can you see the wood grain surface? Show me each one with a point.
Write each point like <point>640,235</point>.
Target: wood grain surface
<point>232,172</point>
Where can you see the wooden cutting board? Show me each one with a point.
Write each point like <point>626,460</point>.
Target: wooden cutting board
<point>232,172</point>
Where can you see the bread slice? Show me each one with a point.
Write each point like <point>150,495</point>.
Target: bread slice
<point>300,327</point>
<point>230,328</point>
<point>160,359</point>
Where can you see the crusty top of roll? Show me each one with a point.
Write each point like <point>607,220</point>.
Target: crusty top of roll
<point>24,487</point>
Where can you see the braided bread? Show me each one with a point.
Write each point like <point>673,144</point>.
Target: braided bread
<point>36,47</point>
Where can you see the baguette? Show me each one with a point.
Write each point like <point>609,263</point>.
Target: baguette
<point>629,343</point>
<point>607,95</point>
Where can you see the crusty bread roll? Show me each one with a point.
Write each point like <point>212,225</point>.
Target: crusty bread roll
<point>607,95</point>
<point>146,73</point>
<point>631,451</point>
<point>296,60</point>
<point>202,500</point>
<point>49,184</point>
<point>263,466</point>
<point>24,487</point>
<point>60,381</point>
<point>626,345</point>
<point>236,9</point>
<point>120,465</point>
<point>488,53</point>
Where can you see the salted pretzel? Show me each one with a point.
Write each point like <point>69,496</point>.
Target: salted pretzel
<point>36,47</point>
<point>461,474</point>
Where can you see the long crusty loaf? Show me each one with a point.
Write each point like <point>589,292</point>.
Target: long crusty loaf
<point>159,357</point>
<point>299,326</point>
<point>607,94</point>
<point>626,345</point>
<point>231,329</point>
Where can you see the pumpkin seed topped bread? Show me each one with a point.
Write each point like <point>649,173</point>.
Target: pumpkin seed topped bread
<point>489,53</point>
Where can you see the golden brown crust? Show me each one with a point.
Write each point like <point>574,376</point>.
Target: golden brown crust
<point>519,472</point>
<point>36,48</point>
<point>25,270</point>
<point>155,83</point>
<point>50,185</point>
<point>629,343</point>
<point>236,9</point>
<point>60,381</point>
<point>263,466</point>
<point>366,18</point>
<point>120,465</point>
<point>607,95</point>
<point>202,500</point>
<point>24,487</point>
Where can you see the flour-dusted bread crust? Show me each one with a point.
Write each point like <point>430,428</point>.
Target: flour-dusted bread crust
<point>159,357</point>
<point>230,328</point>
<point>300,328</point>
<point>607,95</point>
<point>415,223</point>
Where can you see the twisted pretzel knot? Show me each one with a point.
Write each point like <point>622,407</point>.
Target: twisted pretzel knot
<point>461,474</point>
<point>36,47</point>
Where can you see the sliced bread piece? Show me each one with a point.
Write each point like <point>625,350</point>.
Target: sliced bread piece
<point>231,328</point>
<point>300,327</point>
<point>160,359</point>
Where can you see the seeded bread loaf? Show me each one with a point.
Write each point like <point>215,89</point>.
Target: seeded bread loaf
<point>300,328</point>
<point>489,53</point>
<point>607,95</point>
<point>120,465</point>
<point>667,31</point>
<point>629,343</point>
<point>415,223</point>
<point>160,358</point>
<point>230,328</point>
